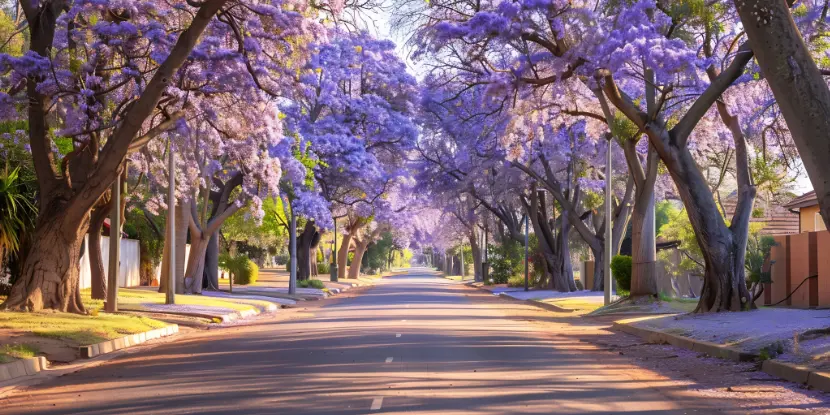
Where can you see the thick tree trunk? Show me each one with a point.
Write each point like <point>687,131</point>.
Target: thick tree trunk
<point>359,250</point>
<point>724,286</point>
<point>96,262</point>
<point>798,85</point>
<point>307,251</point>
<point>212,263</point>
<point>51,271</point>
<point>181,211</point>
<point>343,256</point>
<point>476,255</point>
<point>643,246</point>
<point>194,275</point>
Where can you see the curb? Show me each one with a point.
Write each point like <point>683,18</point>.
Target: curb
<point>787,371</point>
<point>536,303</point>
<point>22,367</point>
<point>712,349</point>
<point>798,374</point>
<point>109,346</point>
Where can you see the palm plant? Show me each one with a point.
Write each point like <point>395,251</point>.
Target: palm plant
<point>16,212</point>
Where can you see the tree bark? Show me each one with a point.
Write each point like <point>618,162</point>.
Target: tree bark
<point>96,261</point>
<point>306,251</point>
<point>182,212</point>
<point>343,256</point>
<point>50,277</point>
<point>797,84</point>
<point>643,234</point>
<point>359,250</point>
<point>212,263</point>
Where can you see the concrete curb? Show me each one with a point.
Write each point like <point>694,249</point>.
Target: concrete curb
<point>109,346</point>
<point>22,367</point>
<point>787,371</point>
<point>225,318</point>
<point>712,349</point>
<point>536,303</point>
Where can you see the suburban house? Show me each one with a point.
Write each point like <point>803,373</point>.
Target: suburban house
<point>777,219</point>
<point>806,206</point>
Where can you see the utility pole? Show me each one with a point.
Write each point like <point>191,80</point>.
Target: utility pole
<point>170,298</point>
<point>333,266</point>
<point>292,232</point>
<point>607,263</point>
<point>527,236</point>
<point>115,246</point>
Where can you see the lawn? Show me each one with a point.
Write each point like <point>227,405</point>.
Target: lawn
<point>80,329</point>
<point>9,352</point>
<point>133,298</point>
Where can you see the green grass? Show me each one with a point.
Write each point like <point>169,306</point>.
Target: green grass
<point>80,329</point>
<point>136,297</point>
<point>10,352</point>
<point>311,284</point>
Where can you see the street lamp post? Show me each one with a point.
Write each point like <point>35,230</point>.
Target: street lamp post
<point>607,263</point>
<point>333,267</point>
<point>292,243</point>
<point>527,233</point>
<point>170,297</point>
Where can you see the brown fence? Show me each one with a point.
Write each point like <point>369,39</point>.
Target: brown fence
<point>800,271</point>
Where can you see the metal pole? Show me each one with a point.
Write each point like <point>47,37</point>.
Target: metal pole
<point>292,243</point>
<point>527,233</point>
<point>333,265</point>
<point>171,220</point>
<point>115,247</point>
<point>607,262</point>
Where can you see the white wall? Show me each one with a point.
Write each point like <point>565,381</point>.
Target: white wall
<point>128,273</point>
<point>186,258</point>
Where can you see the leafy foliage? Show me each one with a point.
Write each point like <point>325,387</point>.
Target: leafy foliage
<point>621,270</point>
<point>242,269</point>
<point>506,260</point>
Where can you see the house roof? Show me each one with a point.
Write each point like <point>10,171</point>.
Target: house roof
<point>806,200</point>
<point>777,219</point>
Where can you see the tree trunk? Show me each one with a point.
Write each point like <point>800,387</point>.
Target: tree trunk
<point>643,245</point>
<point>476,255</point>
<point>359,250</point>
<point>306,250</point>
<point>195,273</point>
<point>343,256</point>
<point>96,261</point>
<point>181,242</point>
<point>51,271</point>
<point>797,83</point>
<point>212,263</point>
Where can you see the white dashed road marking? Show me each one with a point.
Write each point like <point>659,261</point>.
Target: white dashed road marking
<point>389,359</point>
<point>376,404</point>
<point>398,335</point>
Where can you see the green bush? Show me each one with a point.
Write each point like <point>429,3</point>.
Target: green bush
<point>243,270</point>
<point>323,268</point>
<point>311,284</point>
<point>247,273</point>
<point>517,281</point>
<point>621,270</point>
<point>506,260</point>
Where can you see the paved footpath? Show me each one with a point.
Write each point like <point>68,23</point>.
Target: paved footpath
<point>413,343</point>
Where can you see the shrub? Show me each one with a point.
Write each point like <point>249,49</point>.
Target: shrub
<point>281,259</point>
<point>506,260</point>
<point>311,284</point>
<point>243,270</point>
<point>516,281</point>
<point>246,273</point>
<point>621,270</point>
<point>323,268</point>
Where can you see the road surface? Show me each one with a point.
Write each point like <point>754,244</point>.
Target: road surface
<point>413,343</point>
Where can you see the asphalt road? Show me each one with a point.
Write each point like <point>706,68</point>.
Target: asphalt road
<point>413,343</point>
